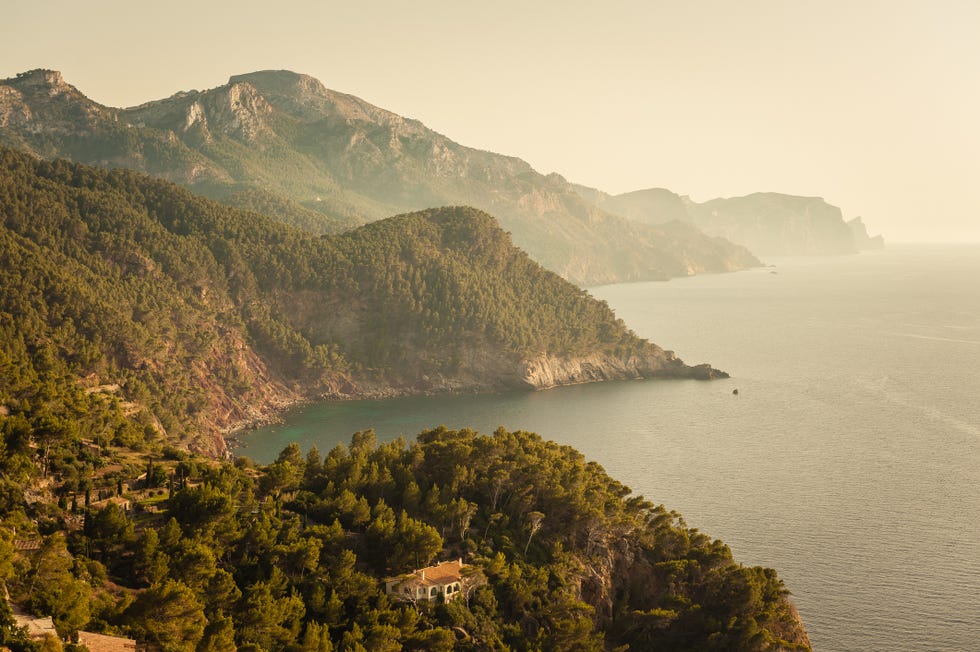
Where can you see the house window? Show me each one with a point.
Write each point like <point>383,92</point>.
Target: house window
<point>432,592</point>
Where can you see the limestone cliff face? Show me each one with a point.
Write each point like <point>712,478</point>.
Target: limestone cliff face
<point>41,102</point>
<point>491,369</point>
<point>236,110</point>
<point>14,111</point>
<point>552,371</point>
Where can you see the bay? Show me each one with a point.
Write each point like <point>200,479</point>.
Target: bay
<point>849,460</point>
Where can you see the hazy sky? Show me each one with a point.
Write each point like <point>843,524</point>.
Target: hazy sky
<point>874,106</point>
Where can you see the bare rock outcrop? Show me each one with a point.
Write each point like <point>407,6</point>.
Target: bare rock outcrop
<point>553,371</point>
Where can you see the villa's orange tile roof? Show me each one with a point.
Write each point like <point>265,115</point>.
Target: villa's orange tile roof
<point>444,573</point>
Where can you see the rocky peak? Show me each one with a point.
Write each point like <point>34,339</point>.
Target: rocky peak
<point>42,101</point>
<point>40,79</point>
<point>294,93</point>
<point>282,82</point>
<point>307,98</point>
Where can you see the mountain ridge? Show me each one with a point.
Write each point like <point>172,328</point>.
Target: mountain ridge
<point>348,162</point>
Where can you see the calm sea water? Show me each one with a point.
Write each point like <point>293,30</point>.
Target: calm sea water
<point>849,460</point>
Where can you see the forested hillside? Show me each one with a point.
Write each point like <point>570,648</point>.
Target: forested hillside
<point>157,314</point>
<point>559,556</point>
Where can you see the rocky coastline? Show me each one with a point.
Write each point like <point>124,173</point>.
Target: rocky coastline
<point>536,373</point>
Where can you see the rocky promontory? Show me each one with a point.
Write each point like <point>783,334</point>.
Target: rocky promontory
<point>546,371</point>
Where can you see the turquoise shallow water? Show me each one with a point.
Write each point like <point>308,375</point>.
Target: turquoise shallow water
<point>849,460</point>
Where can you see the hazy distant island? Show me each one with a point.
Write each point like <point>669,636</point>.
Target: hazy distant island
<point>767,223</point>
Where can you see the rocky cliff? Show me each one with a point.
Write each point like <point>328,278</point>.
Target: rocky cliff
<point>491,370</point>
<point>551,371</point>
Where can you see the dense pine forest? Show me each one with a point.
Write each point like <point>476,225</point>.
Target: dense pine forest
<point>218,556</point>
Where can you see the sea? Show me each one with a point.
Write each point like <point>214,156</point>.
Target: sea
<point>848,459</point>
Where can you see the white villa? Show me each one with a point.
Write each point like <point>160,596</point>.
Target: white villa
<point>428,583</point>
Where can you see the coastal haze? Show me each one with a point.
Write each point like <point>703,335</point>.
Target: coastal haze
<point>868,104</point>
<point>640,142</point>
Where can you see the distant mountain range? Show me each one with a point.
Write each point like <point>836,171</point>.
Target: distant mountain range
<point>281,143</point>
<point>768,223</point>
